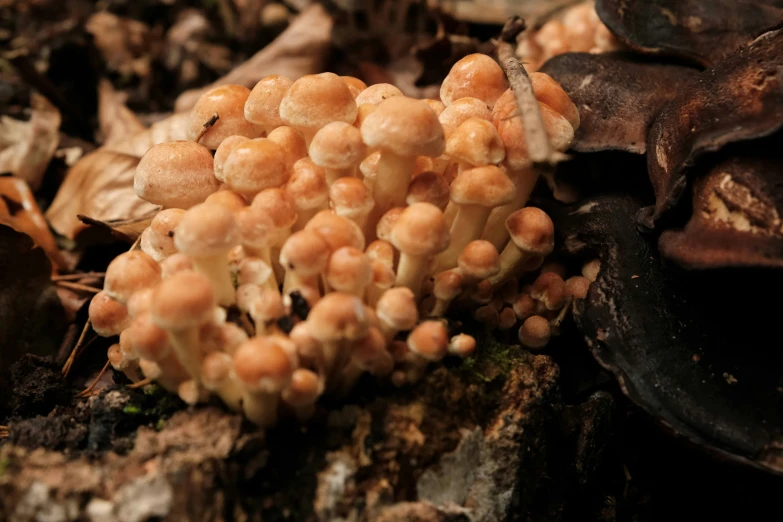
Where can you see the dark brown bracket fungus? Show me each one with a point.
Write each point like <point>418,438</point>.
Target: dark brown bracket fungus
<point>739,99</point>
<point>704,32</point>
<point>679,343</point>
<point>618,96</point>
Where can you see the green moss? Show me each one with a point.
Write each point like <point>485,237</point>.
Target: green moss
<point>160,424</point>
<point>131,409</point>
<point>152,390</point>
<point>4,462</point>
<point>492,359</point>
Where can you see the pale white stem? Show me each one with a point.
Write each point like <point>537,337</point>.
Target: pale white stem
<point>187,347</point>
<point>216,269</point>
<point>468,226</point>
<point>391,185</point>
<point>260,407</point>
<point>411,272</point>
<point>495,229</point>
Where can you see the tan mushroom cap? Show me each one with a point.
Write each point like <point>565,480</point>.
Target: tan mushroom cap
<point>524,306</point>
<point>349,269</point>
<point>338,316</point>
<point>479,259</point>
<point>591,269</point>
<point>304,389</point>
<point>429,187</point>
<point>224,337</point>
<point>350,198</point>
<point>130,272</point>
<point>256,165</point>
<point>337,145</point>
<point>252,270</point>
<point>429,340</point>
<point>420,230</point>
<point>292,141</point>
<point>206,230</point>
<point>476,75</point>
<point>262,364</point>
<point>184,300</point>
<point>484,186</point>
<point>477,142</point>
<point>369,165</point>
<point>140,302</point>
<point>215,368</point>
<point>336,231</point>
<point>355,84</point>
<point>577,287</point>
<point>549,92</point>
<point>448,284</point>
<point>157,240</point>
<point>228,101</point>
<point>107,316</point>
<point>307,187</point>
<point>397,308</point>
<point>370,353</point>
<point>227,199</point>
<point>549,288</point>
<point>406,127</point>
<point>222,153</point>
<point>263,103</point>
<point>386,224</point>
<point>264,304</point>
<point>510,130</point>
<point>315,100</point>
<point>255,227</point>
<point>276,203</point>
<point>462,345</point>
<point>178,174</point>
<point>461,110</point>
<point>364,110</point>
<point>436,105</point>
<point>147,339</point>
<point>175,263</point>
<point>535,332</point>
<point>532,231</point>
<point>375,94</point>
<point>304,252</point>
<point>382,251</point>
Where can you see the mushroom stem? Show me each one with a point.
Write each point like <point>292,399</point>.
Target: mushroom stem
<point>494,231</point>
<point>333,175</point>
<point>468,226</point>
<point>510,260</point>
<point>411,272</point>
<point>216,269</point>
<point>391,185</point>
<point>260,407</point>
<point>293,282</point>
<point>187,347</point>
<point>303,216</point>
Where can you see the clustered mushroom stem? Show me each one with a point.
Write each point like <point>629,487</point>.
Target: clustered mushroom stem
<point>391,186</point>
<point>467,226</point>
<point>216,269</point>
<point>494,230</point>
<point>303,216</point>
<point>187,347</point>
<point>510,260</point>
<point>333,175</point>
<point>411,272</point>
<point>260,407</point>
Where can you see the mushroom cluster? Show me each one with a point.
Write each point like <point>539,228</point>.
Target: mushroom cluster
<point>320,229</point>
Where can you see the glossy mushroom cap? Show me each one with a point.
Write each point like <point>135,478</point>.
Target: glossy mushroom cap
<point>338,316</point>
<point>314,100</point>
<point>429,340</point>
<point>227,199</point>
<point>479,259</point>
<point>532,231</point>
<point>256,165</point>
<point>278,205</point>
<point>128,273</point>
<point>420,230</point>
<point>206,230</point>
<point>483,186</point>
<point>178,174</point>
<point>305,253</point>
<point>184,300</point>
<point>475,75</point>
<point>107,316</point>
<point>263,103</point>
<point>228,101</point>
<point>349,270</point>
<point>354,84</point>
<point>397,308</point>
<point>337,231</point>
<point>337,145</point>
<point>175,263</point>
<point>307,187</point>
<point>462,110</point>
<point>477,142</point>
<point>549,92</point>
<point>262,364</point>
<point>406,127</point>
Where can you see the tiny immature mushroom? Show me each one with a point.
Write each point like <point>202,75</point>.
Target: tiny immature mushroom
<point>157,240</point>
<point>476,75</point>
<point>308,190</point>
<point>228,199</point>
<point>577,287</point>
<point>222,153</point>
<point>107,316</point>
<point>175,263</point>
<point>255,165</point>
<point>369,354</point>
<point>532,234</point>
<point>349,270</point>
<point>304,256</point>
<point>375,94</point>
<point>262,106</point>
<point>475,143</point>
<point>228,102</point>
<point>462,345</point>
<point>535,332</point>
<point>216,377</point>
<point>354,84</point>
<point>428,342</point>
<point>338,148</point>
<point>549,288</point>
<point>429,187</point>
<point>128,273</point>
<point>351,198</point>
<point>447,287</point>
<point>590,270</point>
<point>396,311</point>
<point>302,393</point>
<point>335,321</point>
<point>152,344</point>
<point>291,140</point>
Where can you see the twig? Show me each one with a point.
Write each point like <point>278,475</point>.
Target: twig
<point>563,312</point>
<point>4,433</point>
<point>141,383</point>
<point>74,277</point>
<point>76,349</point>
<point>207,125</point>
<point>77,286</point>
<point>87,392</point>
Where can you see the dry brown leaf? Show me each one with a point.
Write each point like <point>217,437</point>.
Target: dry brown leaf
<point>117,122</point>
<point>126,45</point>
<point>125,229</point>
<point>300,49</point>
<point>26,148</point>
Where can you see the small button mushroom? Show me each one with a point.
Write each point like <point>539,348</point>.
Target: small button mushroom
<point>128,273</point>
<point>216,377</point>
<point>577,287</point>
<point>383,277</point>
<point>476,75</point>
<point>428,342</point>
<point>175,263</point>
<point>419,234</point>
<point>152,344</point>
<point>225,337</point>
<point>375,94</point>
<point>338,148</point>
<point>396,311</point>
<point>447,287</point>
<point>507,318</point>
<point>590,270</point>
<point>336,321</point>
<point>157,240</point>
<point>228,199</point>
<point>364,110</point>
<point>228,102</point>
<point>107,317</point>
<point>140,302</point>
<point>336,230</point>
<point>386,223</point>
<point>308,348</point>
<point>257,235</point>
<point>255,271</point>
<point>369,169</point>
<point>263,103</point>
<point>302,393</point>
<point>428,187</point>
<point>535,332</point>
<point>291,140</point>
<point>256,165</point>
<point>354,84</point>
<point>462,345</point>
<point>350,198</point>
<point>206,233</point>
<point>532,234</point>
<point>303,256</point>
<point>263,305</point>
<point>349,270</point>
<point>314,100</point>
<point>462,110</point>
<point>549,289</point>
<point>524,306</point>
<point>222,153</point>
<point>308,190</point>
<point>479,260</point>
<point>549,92</point>
<point>178,174</point>
<point>121,363</point>
<point>263,369</point>
<point>280,208</point>
<point>475,143</point>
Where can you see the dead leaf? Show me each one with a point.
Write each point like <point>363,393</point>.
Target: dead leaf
<point>126,45</point>
<point>19,210</point>
<point>299,50</point>
<point>116,121</point>
<point>173,128</point>
<point>125,229</point>
<point>496,12</point>
<point>26,148</point>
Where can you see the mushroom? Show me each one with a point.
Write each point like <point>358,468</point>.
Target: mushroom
<point>364,110</point>
<point>532,235</point>
<point>507,318</point>
<point>535,332</point>
<point>524,306</point>
<point>577,287</point>
<point>336,231</point>
<point>338,148</point>
<point>257,233</point>
<point>368,355</point>
<point>178,174</point>
<point>263,305</point>
<point>428,342</point>
<point>354,84</point>
<point>175,263</point>
<point>263,369</point>
<point>349,270</point>
<point>254,271</point>
<point>384,228</point>
<point>369,169</point>
<point>549,288</point>
<point>107,317</point>
<point>462,345</point>
<point>476,75</point>
<point>216,377</point>
<point>590,269</point>
<point>462,110</point>
<point>351,198</point>
<point>302,393</point>
<point>377,93</point>
<point>157,240</point>
<point>308,190</point>
<point>336,321</point>
<point>228,102</point>
<point>256,165</point>
<point>291,140</point>
<point>479,260</point>
<point>222,153</point>
<point>130,272</point>
<point>447,287</point>
<point>151,343</point>
<point>403,129</point>
<point>428,187</point>
<point>419,234</point>
<point>475,143</point>
<point>140,302</point>
<point>278,205</point>
<point>263,103</point>
<point>225,337</point>
<point>205,234</point>
<point>381,254</point>
<point>396,311</point>
<point>227,199</point>
<point>304,256</point>
<point>436,105</point>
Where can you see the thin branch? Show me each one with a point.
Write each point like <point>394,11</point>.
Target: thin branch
<point>77,286</point>
<point>76,277</point>
<point>87,392</point>
<point>207,125</point>
<point>76,349</point>
<point>141,383</point>
<point>4,432</point>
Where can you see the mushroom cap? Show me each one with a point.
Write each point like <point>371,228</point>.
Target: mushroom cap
<point>369,165</point>
<point>147,339</point>
<point>349,270</point>
<point>222,153</point>
<point>535,332</point>
<point>265,304</point>
<point>215,369</point>
<point>591,269</point>
<point>206,230</point>
<point>130,272</point>
<point>382,251</point>
<point>577,287</point>
<point>448,284</point>
<point>336,230</point>
<point>292,141</point>
<point>304,389</point>
<point>140,302</point>
<point>252,270</point>
<point>225,338</point>
<point>397,308</point>
<point>228,101</point>
<point>477,142</point>
<point>338,316</point>
<point>256,229</point>
<point>549,92</point>
<point>484,186</point>
<point>314,100</point>
<point>429,340</point>
<point>276,203</point>
<point>116,357</point>
<point>549,288</point>
<point>307,187</point>
<point>512,133</point>
<point>263,103</point>
<point>176,174</point>
<point>420,230</point>
<point>462,345</point>
<point>262,364</point>
<point>157,240</point>
<point>406,127</point>
<point>524,306</point>
<point>184,300</point>
<point>532,231</point>
<point>337,145</point>
<point>460,111</point>
<point>175,263</point>
<point>386,224</point>
<point>429,187</point>
<point>383,275</point>
<point>350,198</point>
<point>355,84</point>
<point>370,353</point>
<point>364,110</point>
<point>107,316</point>
<point>305,253</point>
<point>307,346</point>
<point>256,165</point>
<point>375,94</point>
<point>475,75</point>
<point>479,259</point>
<point>228,199</point>
<point>436,105</point>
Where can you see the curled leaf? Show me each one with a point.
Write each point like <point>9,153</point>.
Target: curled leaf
<point>736,221</point>
<point>705,32</point>
<point>116,121</point>
<point>618,96</point>
<point>691,348</point>
<point>127,230</point>
<point>739,99</point>
<point>26,148</point>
